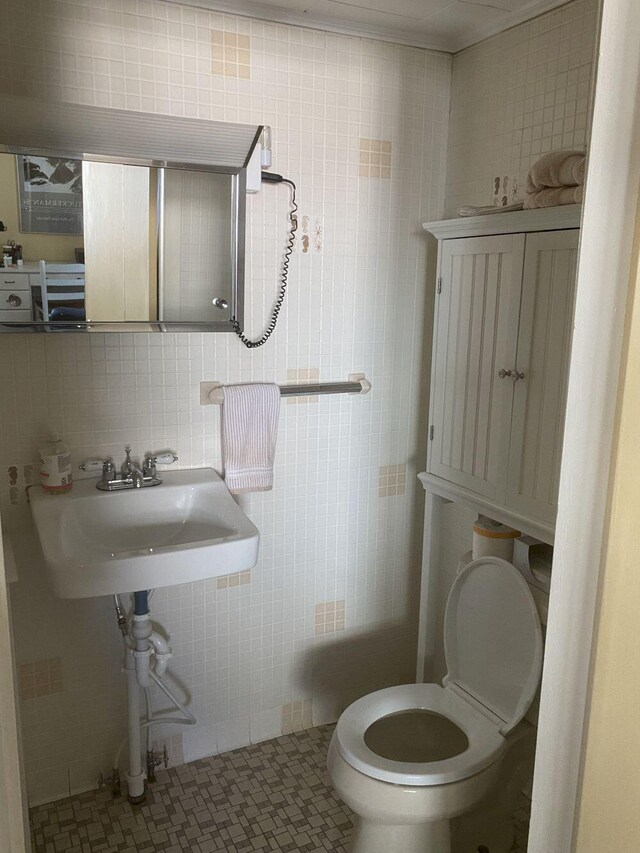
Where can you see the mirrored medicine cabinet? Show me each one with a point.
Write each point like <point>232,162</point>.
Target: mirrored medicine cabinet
<point>120,221</point>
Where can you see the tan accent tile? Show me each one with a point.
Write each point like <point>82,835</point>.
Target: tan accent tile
<point>375,158</point>
<point>237,579</point>
<point>392,480</point>
<point>329,617</point>
<point>40,678</point>
<point>230,55</point>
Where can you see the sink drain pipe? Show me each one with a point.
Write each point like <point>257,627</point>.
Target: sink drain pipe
<point>141,643</point>
<point>137,665</point>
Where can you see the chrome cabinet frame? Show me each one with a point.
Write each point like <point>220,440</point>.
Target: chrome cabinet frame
<point>80,132</point>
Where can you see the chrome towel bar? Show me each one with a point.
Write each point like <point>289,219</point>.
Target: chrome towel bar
<point>211,392</point>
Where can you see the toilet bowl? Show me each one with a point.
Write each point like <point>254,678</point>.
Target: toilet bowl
<point>408,759</point>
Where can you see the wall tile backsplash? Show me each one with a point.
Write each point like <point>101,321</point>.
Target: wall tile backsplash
<point>516,96</point>
<point>242,651</point>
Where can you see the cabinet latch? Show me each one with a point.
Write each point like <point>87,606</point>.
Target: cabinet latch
<point>440,285</point>
<point>431,433</point>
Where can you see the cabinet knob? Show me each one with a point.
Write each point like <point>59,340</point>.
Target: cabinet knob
<point>14,300</point>
<point>511,374</point>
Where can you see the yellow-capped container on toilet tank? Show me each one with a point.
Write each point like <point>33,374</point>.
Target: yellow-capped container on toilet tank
<point>493,539</point>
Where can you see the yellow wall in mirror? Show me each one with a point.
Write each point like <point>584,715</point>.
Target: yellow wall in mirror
<point>35,247</point>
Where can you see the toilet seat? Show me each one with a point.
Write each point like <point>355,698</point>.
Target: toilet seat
<point>485,741</point>
<point>493,650</point>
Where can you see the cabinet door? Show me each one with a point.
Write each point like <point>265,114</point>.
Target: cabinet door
<point>544,343</point>
<point>475,335</point>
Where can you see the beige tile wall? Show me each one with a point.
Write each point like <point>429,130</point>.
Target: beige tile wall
<point>242,651</point>
<point>516,96</point>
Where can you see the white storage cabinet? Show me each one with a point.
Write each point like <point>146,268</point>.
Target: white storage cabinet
<point>502,333</point>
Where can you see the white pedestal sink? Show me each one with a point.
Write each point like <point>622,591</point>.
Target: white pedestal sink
<point>100,543</point>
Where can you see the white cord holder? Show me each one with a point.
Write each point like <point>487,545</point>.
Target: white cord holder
<point>211,393</point>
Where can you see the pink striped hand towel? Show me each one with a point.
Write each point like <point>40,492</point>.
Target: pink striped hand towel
<point>249,433</point>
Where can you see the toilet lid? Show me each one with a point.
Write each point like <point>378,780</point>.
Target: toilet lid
<point>493,639</point>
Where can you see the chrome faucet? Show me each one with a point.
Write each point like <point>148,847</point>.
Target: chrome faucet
<point>131,472</point>
<point>131,476</point>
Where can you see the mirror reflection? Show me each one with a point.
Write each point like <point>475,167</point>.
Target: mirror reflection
<point>105,242</point>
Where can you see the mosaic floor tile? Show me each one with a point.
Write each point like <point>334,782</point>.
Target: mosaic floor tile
<point>258,799</point>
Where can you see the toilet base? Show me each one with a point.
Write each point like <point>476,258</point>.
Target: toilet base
<point>372,837</point>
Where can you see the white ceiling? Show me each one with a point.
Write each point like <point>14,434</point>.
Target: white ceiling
<point>440,24</point>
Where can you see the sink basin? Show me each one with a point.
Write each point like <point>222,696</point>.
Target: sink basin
<point>100,543</point>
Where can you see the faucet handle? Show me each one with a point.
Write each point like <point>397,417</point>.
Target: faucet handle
<point>150,462</point>
<point>165,458</point>
<point>94,463</point>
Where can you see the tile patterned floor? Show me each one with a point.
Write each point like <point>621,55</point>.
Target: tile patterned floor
<point>272,796</point>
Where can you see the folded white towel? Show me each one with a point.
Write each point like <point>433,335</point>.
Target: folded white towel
<point>249,433</point>
<point>484,210</point>
<point>557,169</point>
<point>554,196</point>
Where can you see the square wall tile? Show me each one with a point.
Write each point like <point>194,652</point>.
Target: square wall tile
<point>230,54</point>
<point>265,725</point>
<point>392,480</point>
<point>375,158</point>
<point>40,678</point>
<point>329,617</point>
<point>237,579</point>
<point>297,716</point>
<point>232,734</point>
<point>302,376</point>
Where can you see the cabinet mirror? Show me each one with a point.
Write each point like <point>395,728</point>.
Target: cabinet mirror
<point>145,233</point>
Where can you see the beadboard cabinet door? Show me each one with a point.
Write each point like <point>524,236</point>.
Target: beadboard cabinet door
<point>476,333</point>
<point>542,360</point>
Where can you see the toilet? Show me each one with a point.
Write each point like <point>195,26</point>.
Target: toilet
<point>408,759</point>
